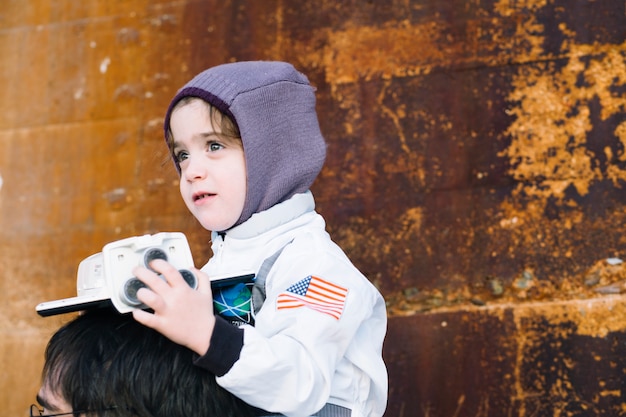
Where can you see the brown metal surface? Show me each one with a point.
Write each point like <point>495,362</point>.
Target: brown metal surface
<point>543,359</point>
<point>476,161</point>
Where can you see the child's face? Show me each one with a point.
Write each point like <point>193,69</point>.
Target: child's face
<point>213,170</point>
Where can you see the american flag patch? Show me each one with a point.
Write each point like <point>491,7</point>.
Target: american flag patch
<point>314,293</point>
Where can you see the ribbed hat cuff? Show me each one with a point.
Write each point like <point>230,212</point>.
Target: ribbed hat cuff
<point>199,93</point>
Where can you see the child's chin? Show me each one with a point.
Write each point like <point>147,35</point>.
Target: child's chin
<point>217,227</point>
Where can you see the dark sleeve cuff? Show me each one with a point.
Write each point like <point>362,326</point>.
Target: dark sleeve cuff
<point>224,350</point>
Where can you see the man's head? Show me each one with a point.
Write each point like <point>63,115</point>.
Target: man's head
<point>273,107</point>
<point>106,364</point>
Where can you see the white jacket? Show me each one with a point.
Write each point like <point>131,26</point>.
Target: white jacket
<point>295,360</point>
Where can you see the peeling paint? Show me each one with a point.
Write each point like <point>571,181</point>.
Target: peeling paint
<point>118,198</point>
<point>127,36</point>
<point>104,65</point>
<point>549,150</point>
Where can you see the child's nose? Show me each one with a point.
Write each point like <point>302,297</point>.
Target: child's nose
<point>195,169</point>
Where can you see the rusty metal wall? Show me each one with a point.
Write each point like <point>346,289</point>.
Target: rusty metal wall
<point>475,173</point>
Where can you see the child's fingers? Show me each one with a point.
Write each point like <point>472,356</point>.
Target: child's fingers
<point>171,274</point>
<point>204,282</point>
<point>145,318</point>
<point>151,279</point>
<point>151,299</point>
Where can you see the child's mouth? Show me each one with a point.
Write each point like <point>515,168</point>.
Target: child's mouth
<point>201,196</point>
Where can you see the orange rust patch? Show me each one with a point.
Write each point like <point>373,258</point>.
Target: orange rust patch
<point>549,136</point>
<point>397,50</point>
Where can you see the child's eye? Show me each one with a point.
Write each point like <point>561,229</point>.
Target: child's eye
<point>214,146</point>
<point>180,156</point>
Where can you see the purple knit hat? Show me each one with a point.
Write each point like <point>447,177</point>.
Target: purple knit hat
<point>274,107</point>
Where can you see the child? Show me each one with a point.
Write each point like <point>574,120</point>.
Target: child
<point>246,142</point>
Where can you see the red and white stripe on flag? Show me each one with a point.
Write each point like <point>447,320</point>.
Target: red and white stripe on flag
<point>314,293</point>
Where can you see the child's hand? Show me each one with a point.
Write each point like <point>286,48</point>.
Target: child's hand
<point>182,314</point>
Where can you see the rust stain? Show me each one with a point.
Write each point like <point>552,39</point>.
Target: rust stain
<point>528,32</point>
<point>552,107</point>
<point>396,116</point>
<point>382,243</point>
<point>406,49</point>
<point>548,151</point>
<point>551,100</point>
<point>596,317</point>
<point>364,53</point>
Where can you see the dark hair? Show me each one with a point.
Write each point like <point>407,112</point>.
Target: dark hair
<point>103,359</point>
